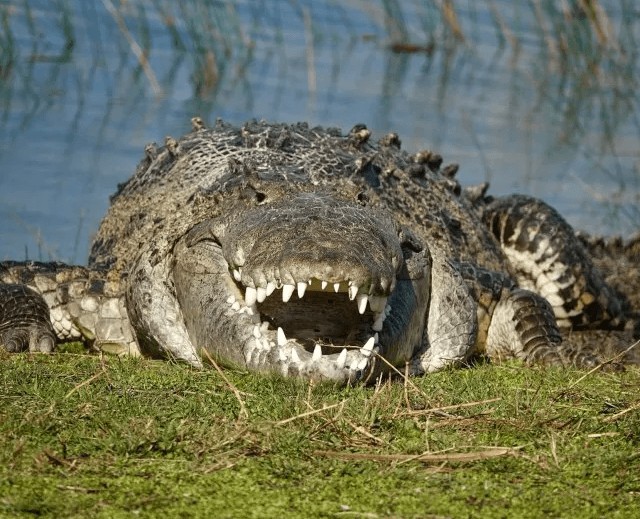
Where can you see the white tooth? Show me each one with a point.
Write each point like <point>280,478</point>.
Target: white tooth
<point>282,339</point>
<point>261,294</point>
<point>271,286</point>
<point>294,356</point>
<point>249,310</point>
<point>264,326</point>
<point>235,306</point>
<point>336,287</point>
<point>384,283</point>
<point>342,359</point>
<point>324,285</point>
<point>353,290</point>
<point>368,347</point>
<point>378,323</point>
<point>317,353</point>
<point>377,303</point>
<point>236,275</point>
<point>287,291</point>
<point>362,364</point>
<point>302,287</point>
<point>256,332</point>
<point>362,302</point>
<point>310,281</point>
<point>376,338</point>
<point>250,296</point>
<point>231,300</point>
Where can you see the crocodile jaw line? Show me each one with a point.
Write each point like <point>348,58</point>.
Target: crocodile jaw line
<point>314,324</point>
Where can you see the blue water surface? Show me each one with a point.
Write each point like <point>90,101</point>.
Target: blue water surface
<point>539,102</point>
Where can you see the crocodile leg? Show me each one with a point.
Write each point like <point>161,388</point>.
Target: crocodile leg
<point>517,323</point>
<point>549,259</point>
<point>156,313</point>
<point>79,303</point>
<point>452,324</point>
<point>24,320</point>
<point>522,326</point>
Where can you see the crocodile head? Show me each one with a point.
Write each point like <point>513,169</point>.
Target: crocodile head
<point>313,280</point>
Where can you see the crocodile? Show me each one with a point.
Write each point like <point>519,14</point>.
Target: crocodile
<point>312,253</point>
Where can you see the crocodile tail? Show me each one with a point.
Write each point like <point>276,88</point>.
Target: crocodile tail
<point>548,258</point>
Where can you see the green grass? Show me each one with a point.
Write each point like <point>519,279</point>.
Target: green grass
<point>90,437</point>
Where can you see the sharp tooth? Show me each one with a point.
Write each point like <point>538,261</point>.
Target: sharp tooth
<point>384,283</point>
<point>362,364</point>
<point>317,353</point>
<point>249,310</point>
<point>368,346</point>
<point>378,323</point>
<point>256,332</point>
<point>336,287</point>
<point>235,306</point>
<point>302,287</point>
<point>294,356</point>
<point>376,338</point>
<point>324,285</point>
<point>310,281</point>
<point>353,290</point>
<point>377,303</point>
<point>236,275</point>
<point>287,291</point>
<point>282,338</point>
<point>271,286</point>
<point>261,294</point>
<point>362,302</point>
<point>231,300</point>
<point>342,359</point>
<point>250,296</point>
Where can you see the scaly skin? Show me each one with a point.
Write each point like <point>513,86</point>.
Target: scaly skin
<point>307,253</point>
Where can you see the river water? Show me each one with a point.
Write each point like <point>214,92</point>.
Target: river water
<point>536,96</point>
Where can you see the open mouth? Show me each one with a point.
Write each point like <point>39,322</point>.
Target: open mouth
<point>315,321</point>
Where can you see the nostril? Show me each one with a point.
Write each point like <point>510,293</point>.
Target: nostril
<point>260,197</point>
<point>363,198</point>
